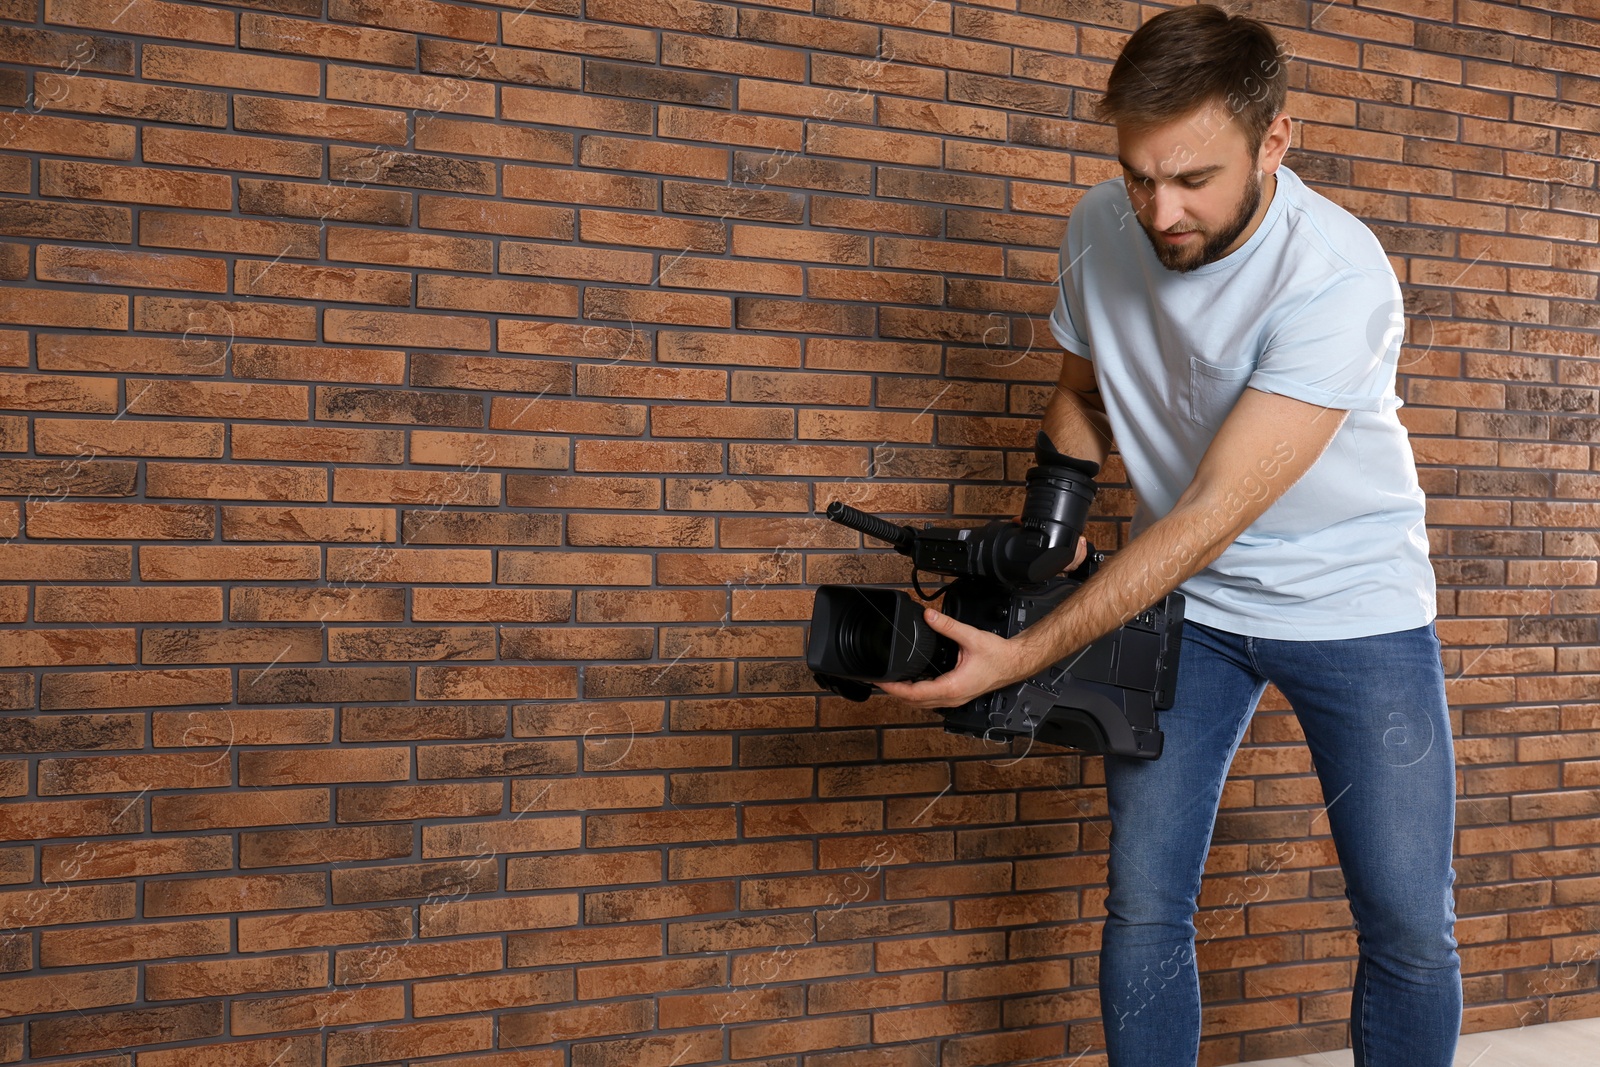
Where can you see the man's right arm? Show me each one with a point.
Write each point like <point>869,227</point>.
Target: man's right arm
<point>1075,418</point>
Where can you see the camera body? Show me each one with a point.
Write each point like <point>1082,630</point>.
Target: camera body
<point>1102,699</point>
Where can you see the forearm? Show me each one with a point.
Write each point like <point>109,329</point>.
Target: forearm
<point>1076,429</point>
<point>1173,549</point>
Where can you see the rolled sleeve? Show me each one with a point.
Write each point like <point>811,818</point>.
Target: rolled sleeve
<point>1063,326</point>
<point>1342,347</point>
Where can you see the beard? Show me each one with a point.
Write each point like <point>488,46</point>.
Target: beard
<point>1183,259</point>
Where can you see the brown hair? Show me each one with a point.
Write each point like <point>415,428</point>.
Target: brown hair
<point>1188,57</point>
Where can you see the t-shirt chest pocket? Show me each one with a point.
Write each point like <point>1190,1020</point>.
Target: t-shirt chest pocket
<point>1214,389</point>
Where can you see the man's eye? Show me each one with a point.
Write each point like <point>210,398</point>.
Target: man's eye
<point>1196,185</point>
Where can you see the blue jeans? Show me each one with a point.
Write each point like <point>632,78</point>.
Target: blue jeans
<point>1374,714</point>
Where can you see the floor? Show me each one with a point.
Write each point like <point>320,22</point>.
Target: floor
<point>1569,1044</point>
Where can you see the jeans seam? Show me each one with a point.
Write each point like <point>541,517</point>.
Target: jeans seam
<point>1366,1002</point>
<point>1250,654</point>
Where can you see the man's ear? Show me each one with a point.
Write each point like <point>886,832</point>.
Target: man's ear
<point>1275,145</point>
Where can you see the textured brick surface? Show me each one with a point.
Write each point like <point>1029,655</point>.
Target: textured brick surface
<point>414,418</point>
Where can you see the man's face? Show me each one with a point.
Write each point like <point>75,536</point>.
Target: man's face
<point>1194,185</point>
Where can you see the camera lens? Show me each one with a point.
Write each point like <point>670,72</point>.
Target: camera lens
<point>874,635</point>
<point>865,639</point>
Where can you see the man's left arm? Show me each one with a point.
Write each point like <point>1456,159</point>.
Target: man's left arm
<point>1262,448</point>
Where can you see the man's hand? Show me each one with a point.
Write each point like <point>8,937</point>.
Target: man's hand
<point>1081,555</point>
<point>987,662</point>
<point>1078,558</point>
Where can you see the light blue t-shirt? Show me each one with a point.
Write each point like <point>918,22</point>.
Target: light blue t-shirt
<point>1309,308</point>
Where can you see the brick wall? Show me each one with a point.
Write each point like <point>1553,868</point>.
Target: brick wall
<point>414,418</point>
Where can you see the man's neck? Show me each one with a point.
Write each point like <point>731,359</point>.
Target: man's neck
<point>1269,190</point>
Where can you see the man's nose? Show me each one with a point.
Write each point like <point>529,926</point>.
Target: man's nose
<point>1166,207</point>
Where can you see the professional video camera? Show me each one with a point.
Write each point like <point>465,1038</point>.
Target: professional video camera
<point>1007,576</point>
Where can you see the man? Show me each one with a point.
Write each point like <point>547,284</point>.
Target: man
<point>1236,334</point>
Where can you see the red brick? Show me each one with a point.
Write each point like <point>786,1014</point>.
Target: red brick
<point>301,37</point>
<point>492,605</point>
<point>406,249</point>
<point>425,92</point>
<point>175,230</point>
<point>99,181</point>
<point>64,221</point>
<point>304,200</point>
<point>389,167</point>
<point>875,286</point>
<point>565,568</point>
<point>804,101</point>
<point>58,992</point>
<point>566,416</point>
<point>210,67</point>
<point>356,285</point>
<point>771,243</point>
<point>649,231</point>
<point>302,1011</point>
<point>722,422</point>
<point>755,131</point>
<point>685,15</point>
<point>701,272</point>
<point>732,58</point>
<point>161,103</point>
<point>801,317</point>
<point>728,495</point>
<point>95,266</point>
<point>399,328</point>
<point>446,291</point>
<point>828,425</point>
<point>572,186</point>
<point>634,531</point>
<point>231,152</point>
<point>564,36</point>
<point>340,122</point>
<point>648,456</point>
<point>679,346</point>
<point>438,134</point>
<point>653,157</point>
<point>829,35</point>
<point>943,118</point>
<point>221,319</point>
<point>636,306</point>
<point>501,64</point>
<point>152,19</point>
<point>568,109</point>
<point>570,339</point>
<point>898,251</point>
<point>672,383</point>
<point>424,16</point>
<point>912,13</point>
<point>874,216</point>
<point>48,133</point>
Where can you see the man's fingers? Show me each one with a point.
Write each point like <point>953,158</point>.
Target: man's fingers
<point>917,694</point>
<point>951,627</point>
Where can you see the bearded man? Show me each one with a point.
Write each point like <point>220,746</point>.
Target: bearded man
<point>1237,334</point>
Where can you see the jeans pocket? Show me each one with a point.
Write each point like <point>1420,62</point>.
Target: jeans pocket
<point>1213,389</point>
